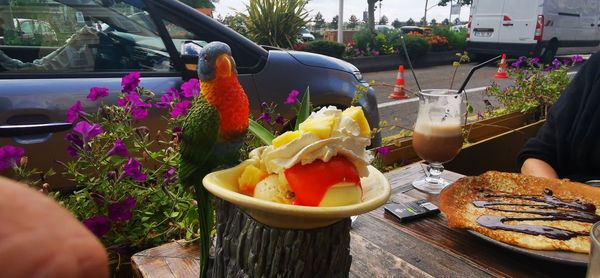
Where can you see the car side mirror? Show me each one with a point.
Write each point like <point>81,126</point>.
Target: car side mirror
<point>189,56</point>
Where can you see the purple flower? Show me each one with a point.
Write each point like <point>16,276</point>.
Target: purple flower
<point>133,169</point>
<point>180,109</point>
<point>517,64</point>
<point>87,130</point>
<point>556,63</point>
<point>73,112</point>
<point>165,101</point>
<point>96,93</point>
<point>265,117</point>
<point>535,61</point>
<point>383,150</point>
<point>121,211</point>
<point>292,97</point>
<point>577,58</point>
<point>280,120</point>
<point>191,88</point>
<point>130,82</point>
<point>119,149</point>
<point>98,198</point>
<point>138,113</point>
<point>10,156</point>
<point>168,175</point>
<point>75,146</point>
<point>548,68</point>
<point>98,224</point>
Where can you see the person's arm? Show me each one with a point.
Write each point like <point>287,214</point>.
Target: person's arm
<point>39,238</point>
<point>538,168</point>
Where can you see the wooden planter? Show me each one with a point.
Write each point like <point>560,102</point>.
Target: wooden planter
<point>515,125</point>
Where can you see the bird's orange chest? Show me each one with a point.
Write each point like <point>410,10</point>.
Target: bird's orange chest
<point>228,97</point>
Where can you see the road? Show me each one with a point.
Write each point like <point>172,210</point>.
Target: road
<point>403,113</point>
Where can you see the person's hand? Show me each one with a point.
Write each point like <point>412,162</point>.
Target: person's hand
<point>538,168</point>
<point>39,238</point>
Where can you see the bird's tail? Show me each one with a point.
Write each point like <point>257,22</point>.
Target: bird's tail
<point>206,218</point>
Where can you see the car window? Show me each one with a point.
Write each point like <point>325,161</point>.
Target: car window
<point>79,36</point>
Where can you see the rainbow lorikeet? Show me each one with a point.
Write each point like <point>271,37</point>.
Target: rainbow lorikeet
<point>213,131</point>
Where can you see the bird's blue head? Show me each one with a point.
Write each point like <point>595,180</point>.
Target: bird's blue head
<point>215,59</point>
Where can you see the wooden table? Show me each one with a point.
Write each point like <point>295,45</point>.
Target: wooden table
<point>382,247</point>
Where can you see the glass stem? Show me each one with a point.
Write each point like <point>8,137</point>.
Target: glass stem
<point>435,172</point>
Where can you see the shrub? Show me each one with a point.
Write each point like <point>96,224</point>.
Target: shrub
<point>275,22</point>
<point>329,48</point>
<point>364,39</point>
<point>416,46</point>
<point>456,40</point>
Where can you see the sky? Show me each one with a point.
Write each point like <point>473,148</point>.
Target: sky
<point>401,9</point>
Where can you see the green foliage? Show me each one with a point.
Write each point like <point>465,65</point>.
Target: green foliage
<point>236,23</point>
<point>535,87</point>
<point>275,22</point>
<point>329,48</point>
<point>364,39</point>
<point>456,40</point>
<point>305,109</point>
<point>163,209</point>
<point>319,21</point>
<point>415,46</point>
<point>353,21</point>
<point>199,3</point>
<point>261,132</point>
<point>334,23</point>
<point>383,20</point>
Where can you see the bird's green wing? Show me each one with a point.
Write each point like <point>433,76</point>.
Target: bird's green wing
<point>200,133</point>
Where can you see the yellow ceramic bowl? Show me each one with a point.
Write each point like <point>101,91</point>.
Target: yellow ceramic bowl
<point>224,184</point>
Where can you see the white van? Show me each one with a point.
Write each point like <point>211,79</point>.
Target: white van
<point>541,28</point>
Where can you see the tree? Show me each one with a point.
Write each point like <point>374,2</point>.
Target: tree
<point>410,22</point>
<point>433,22</point>
<point>446,22</point>
<point>383,20</point>
<point>353,22</point>
<point>423,21</point>
<point>199,3</point>
<point>235,22</point>
<point>462,3</point>
<point>371,9</point>
<point>334,22</point>
<point>319,21</point>
<point>396,23</point>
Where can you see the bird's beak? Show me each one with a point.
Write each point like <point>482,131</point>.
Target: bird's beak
<point>224,65</point>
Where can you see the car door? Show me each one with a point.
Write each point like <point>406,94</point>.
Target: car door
<point>39,82</point>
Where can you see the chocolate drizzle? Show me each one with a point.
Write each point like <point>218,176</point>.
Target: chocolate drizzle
<point>547,206</point>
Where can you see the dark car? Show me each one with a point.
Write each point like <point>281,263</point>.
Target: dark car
<point>104,40</point>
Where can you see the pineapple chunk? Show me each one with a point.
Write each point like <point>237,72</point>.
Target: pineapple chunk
<point>249,178</point>
<point>285,138</point>
<point>357,114</point>
<point>320,126</point>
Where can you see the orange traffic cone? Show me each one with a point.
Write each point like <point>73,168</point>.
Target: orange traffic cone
<point>502,73</point>
<point>399,92</point>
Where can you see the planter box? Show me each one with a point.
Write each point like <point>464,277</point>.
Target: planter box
<point>391,62</point>
<point>403,152</point>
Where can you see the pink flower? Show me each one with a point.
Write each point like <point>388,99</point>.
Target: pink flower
<point>292,97</point>
<point>133,169</point>
<point>383,150</point>
<point>180,109</point>
<point>87,130</point>
<point>265,117</point>
<point>191,88</point>
<point>119,149</point>
<point>130,82</point>
<point>74,111</point>
<point>96,93</point>
<point>122,211</point>
<point>10,156</point>
<point>98,224</point>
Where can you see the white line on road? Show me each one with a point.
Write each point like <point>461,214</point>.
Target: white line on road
<point>414,99</point>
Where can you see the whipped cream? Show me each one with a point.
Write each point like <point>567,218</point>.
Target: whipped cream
<point>345,139</point>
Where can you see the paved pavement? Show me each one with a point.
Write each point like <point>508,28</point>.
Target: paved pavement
<point>403,113</point>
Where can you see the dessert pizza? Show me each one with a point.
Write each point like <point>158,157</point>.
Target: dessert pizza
<point>525,211</point>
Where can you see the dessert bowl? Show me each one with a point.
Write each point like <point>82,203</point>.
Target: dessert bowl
<point>224,185</point>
